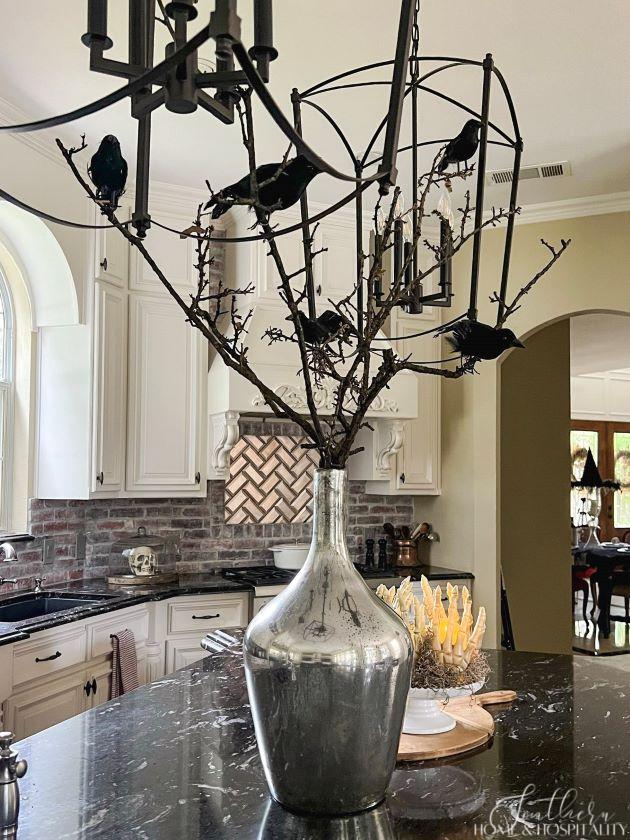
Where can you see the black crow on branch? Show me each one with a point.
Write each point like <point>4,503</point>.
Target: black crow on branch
<point>322,329</point>
<point>473,339</point>
<point>108,172</point>
<point>461,148</point>
<point>287,182</point>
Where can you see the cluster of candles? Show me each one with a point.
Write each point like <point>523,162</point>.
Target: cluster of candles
<point>405,258</point>
<point>449,633</point>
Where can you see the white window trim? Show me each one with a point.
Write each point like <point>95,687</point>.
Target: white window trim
<point>7,384</point>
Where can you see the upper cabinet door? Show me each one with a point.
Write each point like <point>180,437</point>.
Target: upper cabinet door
<point>167,381</point>
<point>418,463</point>
<point>111,252</point>
<point>338,262</point>
<point>109,387</point>
<point>173,255</point>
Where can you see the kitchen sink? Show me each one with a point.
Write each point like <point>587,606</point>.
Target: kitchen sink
<point>36,606</point>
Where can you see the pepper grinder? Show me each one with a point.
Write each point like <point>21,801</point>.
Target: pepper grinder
<point>382,553</point>
<point>369,553</point>
<point>10,771</point>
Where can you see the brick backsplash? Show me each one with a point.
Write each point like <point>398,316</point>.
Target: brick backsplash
<point>206,542</point>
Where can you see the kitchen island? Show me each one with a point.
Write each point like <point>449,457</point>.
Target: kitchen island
<point>178,759</point>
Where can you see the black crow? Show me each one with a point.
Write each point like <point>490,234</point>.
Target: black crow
<point>480,341</point>
<point>461,148</point>
<point>108,172</point>
<point>323,328</point>
<point>281,192</point>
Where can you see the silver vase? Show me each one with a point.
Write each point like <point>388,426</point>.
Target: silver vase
<point>328,668</point>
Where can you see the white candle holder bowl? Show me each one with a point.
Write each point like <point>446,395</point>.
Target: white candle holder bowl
<point>424,715</point>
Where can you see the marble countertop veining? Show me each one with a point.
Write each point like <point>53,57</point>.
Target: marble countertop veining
<point>178,759</point>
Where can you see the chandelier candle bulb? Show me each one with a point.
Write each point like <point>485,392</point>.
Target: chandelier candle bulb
<point>407,248</point>
<point>398,248</point>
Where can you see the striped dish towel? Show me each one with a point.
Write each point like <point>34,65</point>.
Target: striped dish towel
<point>124,663</point>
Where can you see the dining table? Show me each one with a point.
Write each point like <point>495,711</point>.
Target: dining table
<point>608,559</point>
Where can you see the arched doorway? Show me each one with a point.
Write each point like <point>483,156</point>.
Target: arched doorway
<point>535,400</point>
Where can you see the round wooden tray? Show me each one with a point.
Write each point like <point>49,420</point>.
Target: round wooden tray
<point>142,580</point>
<point>474,727</point>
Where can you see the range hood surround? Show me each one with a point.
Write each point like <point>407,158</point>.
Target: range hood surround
<point>230,396</point>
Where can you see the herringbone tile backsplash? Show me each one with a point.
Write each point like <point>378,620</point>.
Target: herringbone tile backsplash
<point>271,480</point>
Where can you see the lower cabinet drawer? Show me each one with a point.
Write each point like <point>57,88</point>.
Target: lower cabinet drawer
<point>204,613</point>
<point>48,653</point>
<point>136,620</point>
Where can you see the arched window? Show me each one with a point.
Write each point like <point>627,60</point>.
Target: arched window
<point>6,401</point>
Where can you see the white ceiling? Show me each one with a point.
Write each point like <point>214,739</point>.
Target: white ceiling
<point>565,61</point>
<point>600,342</point>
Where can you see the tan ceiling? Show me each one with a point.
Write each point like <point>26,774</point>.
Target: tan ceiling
<point>566,63</point>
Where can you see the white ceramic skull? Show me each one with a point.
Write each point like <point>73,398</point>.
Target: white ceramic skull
<point>142,560</point>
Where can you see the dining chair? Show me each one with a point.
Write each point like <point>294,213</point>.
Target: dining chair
<point>582,579</point>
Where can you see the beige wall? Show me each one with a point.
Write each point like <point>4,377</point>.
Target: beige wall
<point>535,467</point>
<point>594,274</point>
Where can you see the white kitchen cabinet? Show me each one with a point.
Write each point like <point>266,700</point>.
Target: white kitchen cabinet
<point>45,704</point>
<point>109,391</point>
<point>182,652</point>
<point>165,440</point>
<point>180,623</point>
<point>45,679</point>
<point>126,416</point>
<point>403,456</point>
<point>111,251</point>
<point>173,255</point>
<point>99,678</point>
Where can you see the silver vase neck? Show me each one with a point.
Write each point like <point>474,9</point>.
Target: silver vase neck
<point>330,510</point>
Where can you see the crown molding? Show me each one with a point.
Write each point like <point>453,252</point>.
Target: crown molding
<point>574,208</point>
<point>10,114</point>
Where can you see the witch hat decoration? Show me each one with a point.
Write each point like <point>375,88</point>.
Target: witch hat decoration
<point>591,476</point>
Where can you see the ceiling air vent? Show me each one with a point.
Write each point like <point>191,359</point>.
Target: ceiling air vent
<point>529,173</point>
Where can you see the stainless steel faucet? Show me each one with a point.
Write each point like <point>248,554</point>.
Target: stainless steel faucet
<point>7,580</point>
<point>38,584</point>
<point>9,552</point>
<point>10,771</point>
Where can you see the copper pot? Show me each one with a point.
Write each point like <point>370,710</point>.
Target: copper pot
<point>406,553</point>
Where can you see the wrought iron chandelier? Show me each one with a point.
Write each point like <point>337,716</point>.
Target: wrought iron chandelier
<point>346,348</point>
<point>177,83</point>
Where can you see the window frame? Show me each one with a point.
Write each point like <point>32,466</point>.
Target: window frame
<point>7,385</point>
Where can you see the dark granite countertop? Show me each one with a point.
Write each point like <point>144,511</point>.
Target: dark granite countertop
<point>117,598</point>
<point>178,759</point>
<point>120,597</point>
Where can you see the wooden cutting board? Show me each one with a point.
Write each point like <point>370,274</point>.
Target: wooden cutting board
<point>474,727</point>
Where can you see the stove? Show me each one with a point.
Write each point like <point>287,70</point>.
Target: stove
<point>269,581</point>
<point>262,576</point>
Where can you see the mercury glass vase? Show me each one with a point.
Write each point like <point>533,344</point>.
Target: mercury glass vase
<point>328,668</point>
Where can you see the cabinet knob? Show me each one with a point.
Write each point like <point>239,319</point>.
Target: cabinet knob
<point>87,688</point>
<point>99,478</point>
<point>93,685</point>
<point>318,290</point>
<point>402,478</point>
<point>104,263</point>
<point>197,478</point>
